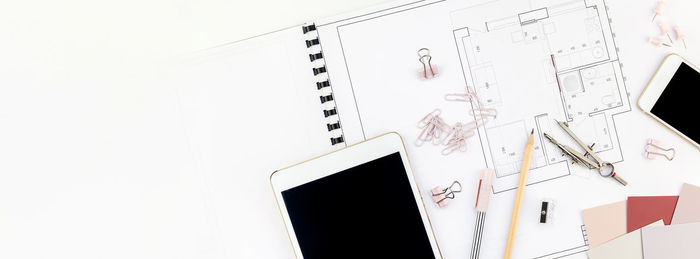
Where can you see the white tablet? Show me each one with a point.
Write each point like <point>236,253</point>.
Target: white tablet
<point>672,97</point>
<point>358,202</point>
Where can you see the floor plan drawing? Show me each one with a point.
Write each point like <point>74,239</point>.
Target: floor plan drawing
<point>537,67</point>
<point>536,62</point>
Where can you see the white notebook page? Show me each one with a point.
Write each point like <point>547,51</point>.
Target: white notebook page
<point>249,109</point>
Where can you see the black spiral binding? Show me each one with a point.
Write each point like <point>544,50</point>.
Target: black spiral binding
<point>333,126</point>
<point>319,70</point>
<point>313,42</point>
<point>337,140</point>
<point>316,56</point>
<point>331,112</point>
<point>323,84</point>
<point>309,28</point>
<point>326,97</point>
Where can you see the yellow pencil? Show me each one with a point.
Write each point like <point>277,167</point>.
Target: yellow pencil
<point>519,194</point>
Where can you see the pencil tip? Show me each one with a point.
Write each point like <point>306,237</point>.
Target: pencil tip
<point>533,131</point>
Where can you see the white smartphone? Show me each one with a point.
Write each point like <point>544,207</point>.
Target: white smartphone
<point>672,97</point>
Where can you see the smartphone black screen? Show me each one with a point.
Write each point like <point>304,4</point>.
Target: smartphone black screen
<point>678,105</point>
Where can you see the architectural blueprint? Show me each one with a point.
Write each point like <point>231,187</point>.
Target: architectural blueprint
<point>536,67</point>
<point>535,61</point>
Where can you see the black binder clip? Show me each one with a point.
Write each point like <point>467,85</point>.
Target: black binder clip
<point>428,70</point>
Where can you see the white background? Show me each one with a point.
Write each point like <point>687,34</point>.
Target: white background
<point>89,164</point>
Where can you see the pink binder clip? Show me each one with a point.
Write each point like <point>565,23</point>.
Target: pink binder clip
<point>659,9</point>
<point>665,30</point>
<point>428,70</point>
<point>657,42</point>
<point>680,35</point>
<point>653,149</point>
<point>442,196</point>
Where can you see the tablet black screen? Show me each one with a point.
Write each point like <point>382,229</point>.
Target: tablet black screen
<point>365,211</point>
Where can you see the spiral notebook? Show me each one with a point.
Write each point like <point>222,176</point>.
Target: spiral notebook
<point>296,106</point>
<point>259,104</point>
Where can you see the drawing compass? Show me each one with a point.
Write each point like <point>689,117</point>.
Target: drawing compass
<point>588,159</point>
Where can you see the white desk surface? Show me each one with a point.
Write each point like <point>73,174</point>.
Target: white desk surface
<point>84,139</point>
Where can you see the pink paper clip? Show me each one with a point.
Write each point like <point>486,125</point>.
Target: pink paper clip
<point>659,9</point>
<point>457,139</point>
<point>433,128</point>
<point>657,42</point>
<point>468,96</point>
<point>665,30</point>
<point>428,70</point>
<point>458,97</point>
<point>653,149</point>
<point>680,35</point>
<point>459,133</point>
<point>442,196</point>
<point>482,115</point>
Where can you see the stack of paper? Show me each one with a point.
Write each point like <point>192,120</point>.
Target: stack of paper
<point>635,228</point>
<point>688,208</point>
<point>627,246</point>
<point>644,210</point>
<point>604,223</point>
<point>674,241</point>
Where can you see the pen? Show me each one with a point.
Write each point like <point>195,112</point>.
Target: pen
<point>482,203</point>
